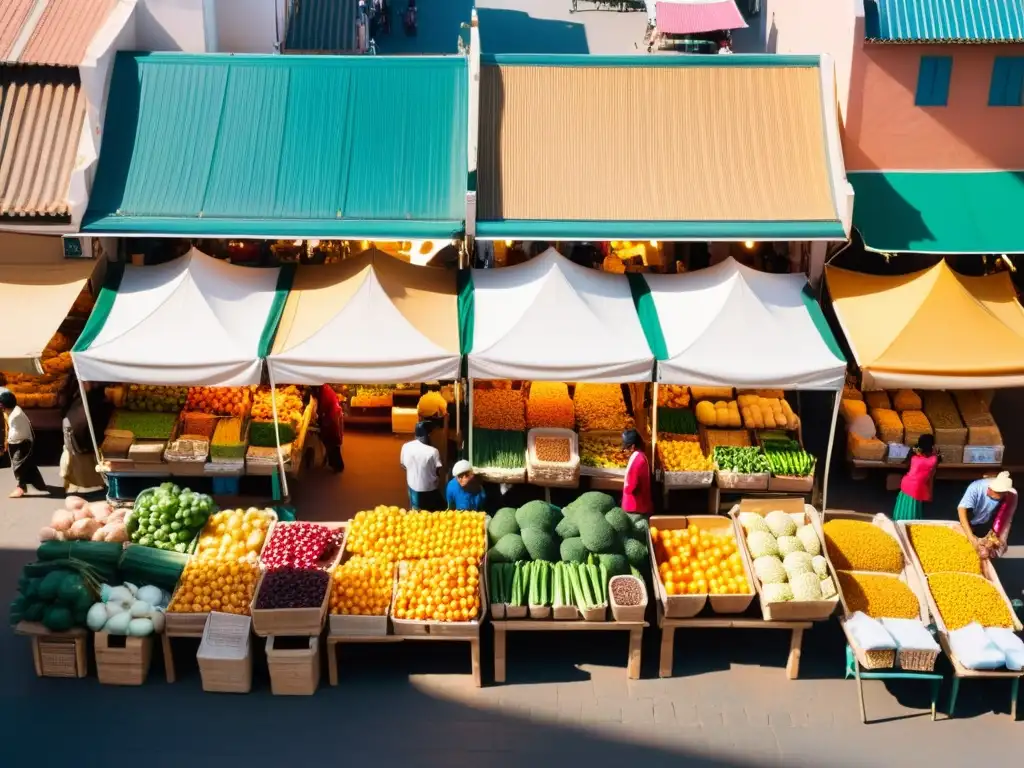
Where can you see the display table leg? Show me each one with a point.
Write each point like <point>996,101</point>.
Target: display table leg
<point>668,639</point>
<point>37,657</point>
<point>499,654</point>
<point>1014,691</point>
<point>936,685</point>
<point>636,637</point>
<point>860,692</point>
<point>332,662</point>
<point>714,500</point>
<point>795,643</point>
<point>474,658</point>
<point>165,642</point>
<point>952,695</point>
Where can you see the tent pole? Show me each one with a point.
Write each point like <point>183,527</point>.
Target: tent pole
<point>458,409</point>
<point>277,434</point>
<point>88,416</point>
<point>654,424</point>
<point>828,453</point>
<point>469,417</point>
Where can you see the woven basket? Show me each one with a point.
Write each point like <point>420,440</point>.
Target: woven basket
<point>552,473</point>
<point>918,661</point>
<point>877,659</point>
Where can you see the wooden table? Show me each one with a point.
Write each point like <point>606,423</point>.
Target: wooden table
<point>963,472</point>
<point>961,672</point>
<point>472,637</point>
<point>669,627</point>
<point>503,626</point>
<point>853,667</point>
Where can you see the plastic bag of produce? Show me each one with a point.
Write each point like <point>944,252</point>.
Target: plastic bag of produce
<point>974,649</point>
<point>1010,644</point>
<point>910,635</point>
<point>868,634</point>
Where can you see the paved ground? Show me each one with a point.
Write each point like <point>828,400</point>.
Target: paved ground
<point>728,704</point>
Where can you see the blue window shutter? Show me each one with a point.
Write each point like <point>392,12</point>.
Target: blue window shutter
<point>1007,87</point>
<point>933,81</point>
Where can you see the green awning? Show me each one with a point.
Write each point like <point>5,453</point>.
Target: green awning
<point>283,146</point>
<point>939,212</point>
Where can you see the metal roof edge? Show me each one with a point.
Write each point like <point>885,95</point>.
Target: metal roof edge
<point>633,60</point>
<point>273,59</point>
<point>536,229</point>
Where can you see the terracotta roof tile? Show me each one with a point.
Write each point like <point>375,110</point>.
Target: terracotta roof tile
<point>41,114</point>
<point>61,29</point>
<point>13,14</point>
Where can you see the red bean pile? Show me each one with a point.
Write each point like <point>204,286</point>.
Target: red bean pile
<point>292,588</point>
<point>300,545</point>
<point>627,591</point>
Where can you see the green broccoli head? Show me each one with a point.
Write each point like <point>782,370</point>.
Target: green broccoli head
<point>619,520</point>
<point>512,548</point>
<point>538,514</point>
<point>503,523</point>
<point>598,536</point>
<point>640,528</point>
<point>540,544</point>
<point>573,551</point>
<point>616,565</point>
<point>636,553</point>
<point>593,500</point>
<point>567,529</point>
<point>495,555</point>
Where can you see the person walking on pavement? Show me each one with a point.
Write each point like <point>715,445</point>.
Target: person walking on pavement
<point>916,486</point>
<point>20,443</point>
<point>421,462</point>
<point>332,430</point>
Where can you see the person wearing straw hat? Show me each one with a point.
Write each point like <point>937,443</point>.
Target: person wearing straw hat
<point>986,513</point>
<point>20,444</point>
<point>464,490</point>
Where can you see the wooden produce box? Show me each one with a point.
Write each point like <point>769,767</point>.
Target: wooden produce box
<point>122,660</point>
<point>791,484</point>
<point>294,671</point>
<point>368,626</point>
<point>56,654</point>
<point>443,628</point>
<point>744,482</point>
<point>288,621</point>
<point>225,654</point>
<point>147,452</point>
<point>802,514</point>
<point>688,606</point>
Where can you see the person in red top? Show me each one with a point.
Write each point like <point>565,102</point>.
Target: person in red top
<point>636,493</point>
<point>331,419</point>
<point>916,486</point>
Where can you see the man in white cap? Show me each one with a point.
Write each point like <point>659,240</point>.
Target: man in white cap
<point>464,491</point>
<point>986,512</point>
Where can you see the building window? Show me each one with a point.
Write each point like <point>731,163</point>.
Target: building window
<point>1007,87</point>
<point>933,81</point>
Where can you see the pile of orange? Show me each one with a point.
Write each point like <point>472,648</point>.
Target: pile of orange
<point>362,587</point>
<point>211,585</point>
<point>394,534</point>
<point>692,561</point>
<point>439,589</point>
<point>218,401</point>
<point>376,532</point>
<point>289,404</point>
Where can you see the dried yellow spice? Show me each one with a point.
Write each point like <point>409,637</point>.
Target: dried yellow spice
<point>856,545</point>
<point>943,548</point>
<point>963,598</point>
<point>600,407</point>
<point>549,406</point>
<point>906,400</point>
<point>890,428</point>
<point>916,421</point>
<point>851,409</point>
<point>879,596</point>
<point>877,399</point>
<point>499,409</point>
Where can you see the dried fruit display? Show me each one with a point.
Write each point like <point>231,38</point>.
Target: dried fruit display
<point>602,451</point>
<point>857,545</point>
<point>499,409</point>
<point>964,598</point>
<point>851,409</point>
<point>227,432</point>
<point>673,396</point>
<point>362,586</point>
<point>736,438</point>
<point>553,449</point>
<point>941,410</point>
<point>36,391</point>
<point>600,407</point>
<point>292,588</point>
<point>198,424</point>
<point>890,428</point>
<point>877,399</point>
<point>549,405</point>
<point>879,596</point>
<point>289,405</point>
<point>219,401</point>
<point>915,424</point>
<point>943,548</point>
<point>905,400</point>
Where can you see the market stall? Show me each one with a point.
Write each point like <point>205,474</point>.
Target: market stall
<point>729,342</point>
<point>933,348</point>
<point>548,344</point>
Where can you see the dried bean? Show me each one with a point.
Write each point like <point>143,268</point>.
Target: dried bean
<point>292,588</point>
<point>627,591</point>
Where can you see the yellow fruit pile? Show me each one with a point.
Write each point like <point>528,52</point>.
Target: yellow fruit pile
<point>499,409</point>
<point>673,396</point>
<point>234,534</point>
<point>601,451</point>
<point>600,407</point>
<point>718,414</point>
<point>212,585</point>
<point>438,589</point>
<point>289,405</point>
<point>711,393</point>
<point>219,401</point>
<point>362,586</point>
<point>549,406</point>
<point>394,534</point>
<point>963,598</point>
<point>943,548</point>
<point>881,597</point>
<point>683,456</point>
<point>767,413</point>
<point>692,561</point>
<point>857,545</point>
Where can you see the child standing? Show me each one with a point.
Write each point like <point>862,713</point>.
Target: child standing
<point>916,486</point>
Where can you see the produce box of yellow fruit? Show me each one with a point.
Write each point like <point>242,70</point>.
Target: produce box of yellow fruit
<point>235,534</point>
<point>721,413</point>
<point>437,595</point>
<point>362,588</point>
<point>684,464</point>
<point>698,559</point>
<point>602,454</point>
<point>767,413</point>
<point>211,585</point>
<point>394,534</point>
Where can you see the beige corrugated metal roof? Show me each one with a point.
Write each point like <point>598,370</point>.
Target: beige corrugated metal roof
<point>55,32</point>
<point>633,143</point>
<point>41,115</point>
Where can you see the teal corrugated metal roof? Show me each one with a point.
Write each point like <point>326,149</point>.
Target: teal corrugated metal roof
<point>920,21</point>
<point>218,145</point>
<point>323,26</point>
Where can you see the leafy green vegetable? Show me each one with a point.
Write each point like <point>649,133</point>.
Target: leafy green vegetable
<point>499,449</point>
<point>745,461</point>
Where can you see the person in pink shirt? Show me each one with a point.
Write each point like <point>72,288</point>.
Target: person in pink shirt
<point>636,492</point>
<point>916,486</point>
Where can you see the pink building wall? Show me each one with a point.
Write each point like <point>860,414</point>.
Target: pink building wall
<point>876,84</point>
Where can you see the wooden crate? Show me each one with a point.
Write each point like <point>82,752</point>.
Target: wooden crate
<point>368,626</point>
<point>294,672</point>
<point>687,606</point>
<point>445,628</point>
<point>56,654</point>
<point>122,660</point>
<point>794,610</point>
<point>225,654</point>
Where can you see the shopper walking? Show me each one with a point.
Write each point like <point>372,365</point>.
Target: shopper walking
<point>20,442</point>
<point>421,462</point>
<point>465,492</point>
<point>986,513</point>
<point>332,430</point>
<point>917,485</point>
<point>636,492</point>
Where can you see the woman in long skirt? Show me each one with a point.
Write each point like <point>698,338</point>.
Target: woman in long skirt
<point>20,442</point>
<point>916,486</point>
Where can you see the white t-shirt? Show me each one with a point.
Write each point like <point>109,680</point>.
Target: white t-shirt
<point>19,428</point>
<point>421,462</point>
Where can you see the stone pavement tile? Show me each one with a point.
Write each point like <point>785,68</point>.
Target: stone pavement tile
<point>602,711</point>
<point>757,745</point>
<point>577,690</point>
<point>570,712</point>
<point>686,714</point>
<point>664,712</point>
<point>638,712</point>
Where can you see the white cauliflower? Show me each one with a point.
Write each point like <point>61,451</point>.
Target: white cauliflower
<point>761,544</point>
<point>769,570</point>
<point>809,538</point>
<point>751,521</point>
<point>779,523</point>
<point>788,544</point>
<point>777,593</point>
<point>820,566</point>
<point>806,586</point>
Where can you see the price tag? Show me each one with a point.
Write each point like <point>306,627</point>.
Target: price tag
<point>898,451</point>
<point>983,454</point>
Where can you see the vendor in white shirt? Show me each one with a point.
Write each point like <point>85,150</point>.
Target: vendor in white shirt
<point>20,442</point>
<point>422,462</point>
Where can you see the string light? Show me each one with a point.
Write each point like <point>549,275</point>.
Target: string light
<point>508,243</point>
<point>314,244</point>
<point>748,244</point>
<point>654,243</point>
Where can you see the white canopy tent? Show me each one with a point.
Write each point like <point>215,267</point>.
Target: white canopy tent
<point>551,320</point>
<point>192,321</point>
